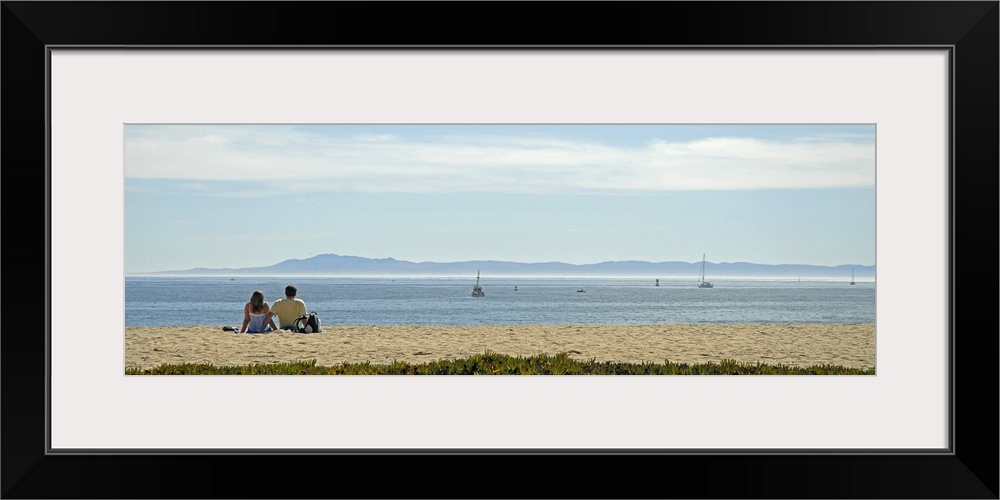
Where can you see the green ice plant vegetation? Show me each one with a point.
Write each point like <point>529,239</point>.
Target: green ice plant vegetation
<point>490,363</point>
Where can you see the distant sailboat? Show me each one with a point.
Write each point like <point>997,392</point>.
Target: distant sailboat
<point>852,275</point>
<point>703,284</point>
<point>657,281</point>
<point>477,291</point>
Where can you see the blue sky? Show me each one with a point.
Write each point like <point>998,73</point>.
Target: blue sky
<point>255,195</point>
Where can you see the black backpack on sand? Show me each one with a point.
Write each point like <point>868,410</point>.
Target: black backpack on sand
<point>307,323</point>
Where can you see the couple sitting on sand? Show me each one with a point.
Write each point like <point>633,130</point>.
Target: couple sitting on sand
<point>258,317</point>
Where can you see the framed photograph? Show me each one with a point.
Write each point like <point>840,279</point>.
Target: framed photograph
<point>124,82</point>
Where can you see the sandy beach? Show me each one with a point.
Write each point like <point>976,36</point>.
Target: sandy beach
<point>850,345</point>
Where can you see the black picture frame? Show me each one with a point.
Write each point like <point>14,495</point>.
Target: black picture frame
<point>969,28</point>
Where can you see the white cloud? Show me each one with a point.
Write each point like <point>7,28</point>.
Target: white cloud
<point>292,159</point>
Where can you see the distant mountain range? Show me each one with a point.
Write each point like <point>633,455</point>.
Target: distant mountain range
<point>342,265</point>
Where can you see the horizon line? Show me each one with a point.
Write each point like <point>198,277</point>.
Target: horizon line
<point>669,279</point>
<point>551,262</point>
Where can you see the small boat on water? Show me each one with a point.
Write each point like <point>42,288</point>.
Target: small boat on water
<point>657,281</point>
<point>581,290</point>
<point>477,291</point>
<point>852,275</point>
<point>704,283</point>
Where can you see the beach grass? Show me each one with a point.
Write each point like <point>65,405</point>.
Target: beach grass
<point>491,363</point>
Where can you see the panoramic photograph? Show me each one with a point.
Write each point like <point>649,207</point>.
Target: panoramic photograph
<point>468,249</point>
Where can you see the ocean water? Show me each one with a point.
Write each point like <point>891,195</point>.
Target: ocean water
<point>178,301</point>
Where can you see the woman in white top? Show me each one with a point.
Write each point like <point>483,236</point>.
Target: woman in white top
<point>254,313</point>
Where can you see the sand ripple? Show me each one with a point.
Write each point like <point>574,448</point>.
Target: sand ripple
<point>851,345</point>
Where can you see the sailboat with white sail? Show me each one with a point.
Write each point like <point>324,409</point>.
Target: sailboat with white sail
<point>704,283</point>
